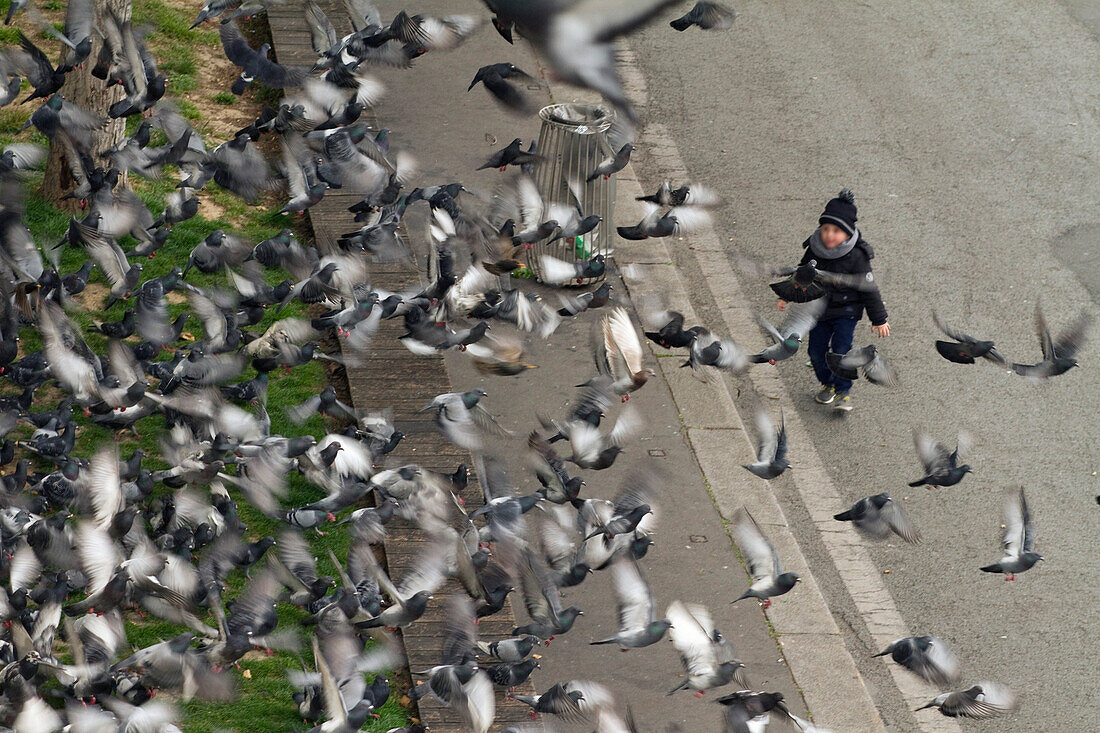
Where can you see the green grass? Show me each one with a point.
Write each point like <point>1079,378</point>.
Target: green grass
<point>264,701</point>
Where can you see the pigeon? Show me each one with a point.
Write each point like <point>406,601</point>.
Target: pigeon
<point>878,516</point>
<point>511,154</point>
<point>496,79</point>
<point>689,194</point>
<point>709,350</point>
<point>1058,356</point>
<point>707,656</point>
<point>1019,538</point>
<point>771,451</point>
<point>708,16</point>
<point>612,164</point>
<point>983,700</point>
<point>749,712</point>
<point>638,623</point>
<point>574,305</point>
<point>940,467</point>
<point>576,39</point>
<point>559,272</point>
<point>800,321</point>
<point>677,221</point>
<point>672,335</point>
<point>618,353</point>
<point>555,701</point>
<point>928,657</point>
<point>768,578</point>
<point>867,360</point>
<point>963,348</point>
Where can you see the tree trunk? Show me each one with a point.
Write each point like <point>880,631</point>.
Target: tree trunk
<point>84,90</point>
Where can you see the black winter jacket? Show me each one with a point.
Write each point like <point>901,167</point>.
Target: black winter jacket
<point>849,302</point>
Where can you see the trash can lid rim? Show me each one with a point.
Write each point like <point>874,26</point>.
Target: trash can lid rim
<point>595,118</point>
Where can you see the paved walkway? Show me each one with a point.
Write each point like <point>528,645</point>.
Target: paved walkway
<point>694,436</point>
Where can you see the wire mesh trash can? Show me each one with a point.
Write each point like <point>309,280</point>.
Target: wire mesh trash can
<point>571,144</point>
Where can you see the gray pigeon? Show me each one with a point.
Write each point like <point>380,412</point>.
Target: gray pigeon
<point>771,451</point>
<point>1058,356</point>
<point>638,624</point>
<point>768,578</point>
<point>800,320</point>
<point>940,467</point>
<point>928,657</point>
<point>707,656</point>
<point>879,515</point>
<point>866,360</point>
<point>983,700</point>
<point>1019,538</point>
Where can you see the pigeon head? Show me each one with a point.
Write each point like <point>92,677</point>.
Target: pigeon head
<point>786,581</point>
<point>1031,558</point>
<point>658,628</point>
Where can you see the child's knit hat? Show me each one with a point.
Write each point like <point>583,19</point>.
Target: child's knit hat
<point>841,211</point>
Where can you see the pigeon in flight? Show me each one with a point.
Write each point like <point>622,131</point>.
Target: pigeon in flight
<point>771,451</point>
<point>708,16</point>
<point>928,657</point>
<point>800,321</point>
<point>879,515</point>
<point>768,578</point>
<point>496,78</point>
<point>1019,538</point>
<point>1058,356</point>
<point>867,360</point>
<point>964,348</point>
<point>638,623</point>
<point>708,657</point>
<point>940,467</point>
<point>983,700</point>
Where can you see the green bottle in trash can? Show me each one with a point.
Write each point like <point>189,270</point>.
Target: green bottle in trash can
<point>580,251</point>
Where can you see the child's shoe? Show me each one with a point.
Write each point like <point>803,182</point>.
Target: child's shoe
<point>842,402</point>
<point>825,396</point>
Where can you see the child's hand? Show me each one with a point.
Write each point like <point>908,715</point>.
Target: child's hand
<point>881,331</point>
<point>781,304</point>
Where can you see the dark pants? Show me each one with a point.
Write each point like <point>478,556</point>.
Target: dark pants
<point>832,335</point>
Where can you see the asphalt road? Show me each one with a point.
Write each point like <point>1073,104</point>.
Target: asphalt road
<point>969,135</point>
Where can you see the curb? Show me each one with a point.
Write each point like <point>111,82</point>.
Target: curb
<point>811,641</point>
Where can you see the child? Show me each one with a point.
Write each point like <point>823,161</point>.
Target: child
<point>837,246</point>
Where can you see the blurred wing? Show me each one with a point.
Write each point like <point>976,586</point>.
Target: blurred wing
<point>690,634</point>
<point>1017,523</point>
<point>895,517</point>
<point>761,557</point>
<point>634,596</point>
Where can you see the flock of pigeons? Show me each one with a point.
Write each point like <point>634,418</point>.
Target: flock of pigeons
<point>89,538</point>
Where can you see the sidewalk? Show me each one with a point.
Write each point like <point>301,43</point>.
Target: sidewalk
<point>693,434</point>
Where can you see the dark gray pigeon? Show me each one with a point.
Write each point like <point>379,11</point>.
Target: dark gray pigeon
<point>940,467</point>
<point>496,79</point>
<point>867,361</point>
<point>983,700</point>
<point>1058,356</point>
<point>879,515</point>
<point>708,16</point>
<point>1019,538</point>
<point>928,657</point>
<point>964,348</point>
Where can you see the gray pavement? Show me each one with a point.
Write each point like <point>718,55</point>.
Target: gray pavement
<point>969,136</point>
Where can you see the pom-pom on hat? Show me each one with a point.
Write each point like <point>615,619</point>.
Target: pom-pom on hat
<point>841,211</point>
